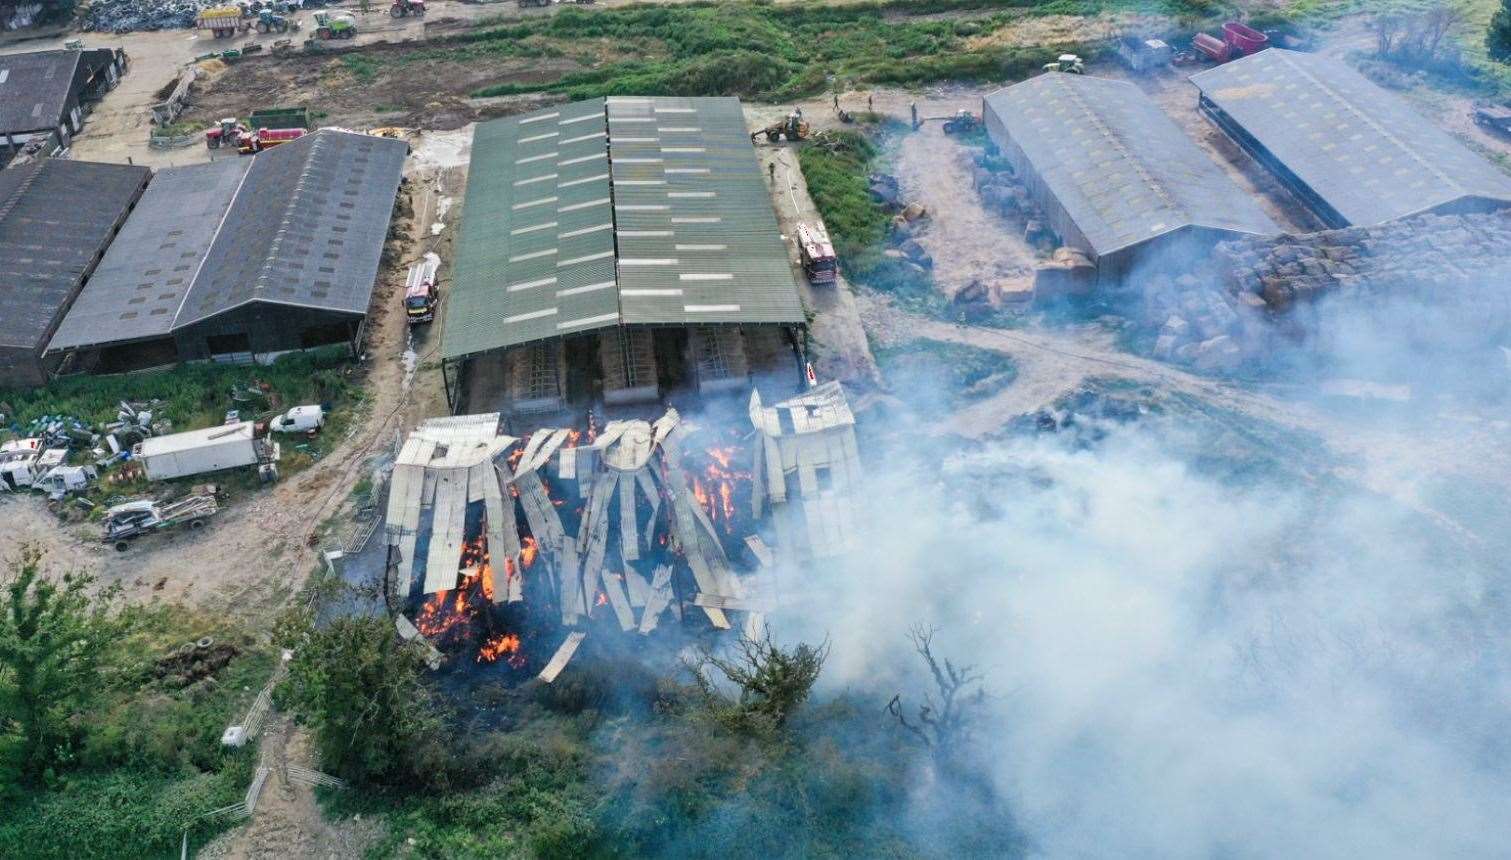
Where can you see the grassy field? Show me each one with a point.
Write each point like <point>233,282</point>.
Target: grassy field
<point>146,761</point>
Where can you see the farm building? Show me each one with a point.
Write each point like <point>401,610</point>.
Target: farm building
<point>615,249</point>
<point>1355,154</point>
<point>45,93</point>
<point>56,219</point>
<point>242,259</point>
<point>1116,178</point>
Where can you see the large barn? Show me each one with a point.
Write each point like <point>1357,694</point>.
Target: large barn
<point>1116,178</point>
<point>44,94</point>
<point>56,219</point>
<point>242,259</point>
<point>1355,154</point>
<point>616,248</point>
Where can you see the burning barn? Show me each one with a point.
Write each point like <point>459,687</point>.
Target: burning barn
<point>241,259</point>
<point>511,549</point>
<point>612,249</point>
<point>1116,178</point>
<point>56,219</point>
<point>1353,153</point>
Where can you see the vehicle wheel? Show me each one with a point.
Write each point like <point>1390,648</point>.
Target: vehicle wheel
<point>262,26</point>
<point>774,136</point>
<point>204,643</point>
<point>122,546</point>
<point>395,12</point>
<point>196,525</point>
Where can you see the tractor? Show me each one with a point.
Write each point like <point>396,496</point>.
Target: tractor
<point>400,8</point>
<point>1069,63</point>
<point>963,122</point>
<point>338,26</point>
<point>794,128</point>
<point>270,22</point>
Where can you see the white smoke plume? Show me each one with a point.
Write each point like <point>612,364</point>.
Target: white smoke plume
<point>1187,661</point>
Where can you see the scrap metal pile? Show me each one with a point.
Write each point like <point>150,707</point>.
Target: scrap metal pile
<point>641,520</point>
<point>124,16</point>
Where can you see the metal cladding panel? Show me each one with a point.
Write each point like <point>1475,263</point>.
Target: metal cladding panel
<point>1360,149</point>
<point>56,219</point>
<point>34,89</point>
<point>307,228</point>
<point>535,254</point>
<point>698,240</point>
<point>1122,171</point>
<point>625,210</point>
<point>136,291</point>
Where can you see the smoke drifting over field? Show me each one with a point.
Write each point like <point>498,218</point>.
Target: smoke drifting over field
<point>1185,663</point>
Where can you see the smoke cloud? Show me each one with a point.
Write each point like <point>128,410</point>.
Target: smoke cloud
<point>1187,656</point>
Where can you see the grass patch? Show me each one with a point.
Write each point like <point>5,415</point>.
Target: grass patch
<point>146,762</point>
<point>961,372</point>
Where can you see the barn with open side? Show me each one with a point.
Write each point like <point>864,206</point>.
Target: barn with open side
<point>44,94</point>
<point>1353,153</point>
<point>242,259</point>
<point>56,219</point>
<point>612,250</point>
<point>1116,178</point>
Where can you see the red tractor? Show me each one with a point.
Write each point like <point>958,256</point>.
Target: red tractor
<point>401,8</point>
<point>249,141</point>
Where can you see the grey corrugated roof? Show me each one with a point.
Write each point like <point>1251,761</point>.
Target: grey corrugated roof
<point>301,224</point>
<point>307,227</point>
<point>691,236</point>
<point>140,284</point>
<point>1123,171</point>
<point>1361,149</point>
<point>34,89</point>
<point>56,217</point>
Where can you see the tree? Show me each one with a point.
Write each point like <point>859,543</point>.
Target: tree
<point>773,682</point>
<point>52,638</point>
<point>359,687</point>
<point>1498,37</point>
<point>943,726</point>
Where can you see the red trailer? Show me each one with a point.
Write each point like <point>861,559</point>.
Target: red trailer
<point>1214,48</point>
<point>1244,39</point>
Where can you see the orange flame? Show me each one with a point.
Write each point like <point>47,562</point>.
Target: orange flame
<point>506,645</point>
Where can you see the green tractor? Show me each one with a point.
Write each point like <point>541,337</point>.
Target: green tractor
<point>338,26</point>
<point>269,22</point>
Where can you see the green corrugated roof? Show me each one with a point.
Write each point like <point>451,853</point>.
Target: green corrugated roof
<point>697,240</point>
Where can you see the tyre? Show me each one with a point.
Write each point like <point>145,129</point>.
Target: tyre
<point>196,525</point>
<point>122,546</point>
<point>262,26</point>
<point>774,136</point>
<point>396,11</point>
<point>204,643</point>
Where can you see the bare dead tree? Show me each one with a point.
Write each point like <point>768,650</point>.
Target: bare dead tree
<point>943,725</point>
<point>1436,23</point>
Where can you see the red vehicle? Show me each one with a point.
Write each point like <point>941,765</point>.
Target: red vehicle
<point>1212,47</point>
<point>816,253</point>
<point>1244,39</point>
<point>247,141</point>
<point>420,294</point>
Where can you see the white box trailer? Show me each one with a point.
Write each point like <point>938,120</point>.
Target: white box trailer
<point>196,452</point>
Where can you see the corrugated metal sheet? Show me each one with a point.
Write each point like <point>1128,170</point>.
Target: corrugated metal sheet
<point>690,238</point>
<point>1362,150</point>
<point>34,89</point>
<point>56,217</point>
<point>137,289</point>
<point>1122,171</point>
<point>302,224</point>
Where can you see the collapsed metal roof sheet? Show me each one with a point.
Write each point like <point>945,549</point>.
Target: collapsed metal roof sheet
<point>1122,170</point>
<point>56,217</point>
<point>302,224</point>
<point>1362,150</point>
<point>611,211</point>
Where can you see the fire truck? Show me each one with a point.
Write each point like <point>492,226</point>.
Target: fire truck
<point>420,294</point>
<point>816,253</point>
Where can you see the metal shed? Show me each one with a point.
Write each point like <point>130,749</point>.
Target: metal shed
<point>243,259</point>
<point>1113,173</point>
<point>56,219</point>
<point>1355,154</point>
<point>44,93</point>
<point>638,212</point>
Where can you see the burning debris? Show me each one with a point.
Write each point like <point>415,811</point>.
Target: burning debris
<point>499,539</point>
